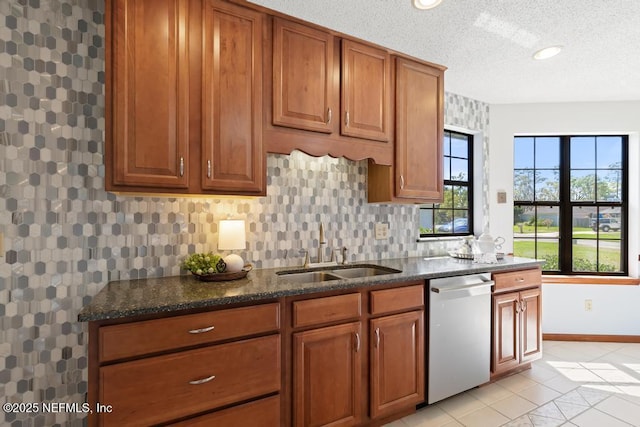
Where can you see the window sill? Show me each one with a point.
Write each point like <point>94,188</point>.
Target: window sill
<point>589,280</point>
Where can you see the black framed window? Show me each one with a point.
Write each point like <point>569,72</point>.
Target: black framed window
<point>570,202</point>
<point>454,216</point>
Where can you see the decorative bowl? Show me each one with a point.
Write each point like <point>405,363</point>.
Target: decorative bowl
<point>223,277</point>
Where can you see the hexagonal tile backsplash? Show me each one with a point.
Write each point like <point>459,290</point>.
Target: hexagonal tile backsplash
<point>65,237</point>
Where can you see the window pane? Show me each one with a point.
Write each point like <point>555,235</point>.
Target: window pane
<point>609,152</point>
<point>447,201</point>
<point>459,169</point>
<point>459,146</point>
<point>447,143</point>
<point>547,151</point>
<point>547,221</point>
<point>460,197</point>
<point>548,250</point>
<point>443,221</point>
<point>609,256</point>
<point>583,152</point>
<point>447,168</point>
<point>426,221</point>
<point>523,217</point>
<point>523,185</point>
<point>523,153</point>
<point>547,185</point>
<point>609,185</point>
<point>585,253</point>
<point>608,222</point>
<point>583,185</point>
<point>582,222</point>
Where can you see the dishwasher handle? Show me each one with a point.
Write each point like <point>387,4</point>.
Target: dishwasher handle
<point>467,289</point>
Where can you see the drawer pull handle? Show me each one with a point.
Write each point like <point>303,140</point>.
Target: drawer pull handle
<point>328,115</point>
<point>181,166</point>
<point>520,279</point>
<point>357,342</point>
<point>346,119</point>
<point>202,381</point>
<point>202,330</point>
<point>208,168</point>
<point>377,337</point>
<point>401,182</point>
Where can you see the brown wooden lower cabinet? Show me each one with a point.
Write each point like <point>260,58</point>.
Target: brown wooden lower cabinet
<point>327,376</point>
<point>397,362</point>
<point>517,321</point>
<point>163,388</point>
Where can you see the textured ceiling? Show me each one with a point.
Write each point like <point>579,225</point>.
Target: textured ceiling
<point>487,45</point>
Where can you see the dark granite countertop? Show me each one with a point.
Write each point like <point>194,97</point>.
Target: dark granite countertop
<point>128,298</point>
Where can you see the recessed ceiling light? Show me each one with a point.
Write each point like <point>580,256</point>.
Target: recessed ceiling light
<point>426,4</point>
<point>547,52</point>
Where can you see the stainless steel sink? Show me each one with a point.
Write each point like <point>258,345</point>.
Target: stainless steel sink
<point>308,276</point>
<point>324,274</point>
<point>355,272</point>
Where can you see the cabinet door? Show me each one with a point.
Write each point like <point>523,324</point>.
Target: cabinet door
<point>419,130</point>
<point>366,92</point>
<point>506,332</point>
<point>302,77</point>
<point>232,99</point>
<point>148,93</point>
<point>531,317</point>
<point>327,376</point>
<point>397,362</point>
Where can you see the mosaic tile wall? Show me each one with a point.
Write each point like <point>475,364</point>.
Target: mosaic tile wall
<point>65,237</point>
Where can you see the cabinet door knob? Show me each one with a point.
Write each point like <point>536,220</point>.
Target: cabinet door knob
<point>377,337</point>
<point>208,168</point>
<point>181,166</point>
<point>401,182</point>
<point>202,381</point>
<point>328,115</point>
<point>357,342</point>
<point>202,330</point>
<point>346,118</point>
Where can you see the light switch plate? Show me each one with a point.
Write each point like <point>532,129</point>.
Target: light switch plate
<point>502,197</point>
<point>382,230</point>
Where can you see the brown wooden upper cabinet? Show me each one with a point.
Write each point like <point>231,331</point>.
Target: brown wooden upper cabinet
<point>232,99</point>
<point>148,96</point>
<point>302,77</point>
<point>416,175</point>
<point>339,89</point>
<point>183,89</point>
<point>366,92</point>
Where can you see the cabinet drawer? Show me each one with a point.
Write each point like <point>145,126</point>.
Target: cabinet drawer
<point>404,298</point>
<point>261,413</point>
<point>164,388</point>
<point>514,280</point>
<point>151,336</point>
<point>327,309</point>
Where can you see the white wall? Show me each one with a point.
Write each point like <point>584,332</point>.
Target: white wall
<point>615,307</point>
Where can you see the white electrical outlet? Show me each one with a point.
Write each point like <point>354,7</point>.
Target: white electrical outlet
<point>588,305</point>
<point>382,230</point>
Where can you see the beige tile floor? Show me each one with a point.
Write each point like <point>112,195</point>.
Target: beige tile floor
<point>574,384</point>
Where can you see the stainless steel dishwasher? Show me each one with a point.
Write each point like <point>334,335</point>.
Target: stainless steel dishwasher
<point>459,334</point>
